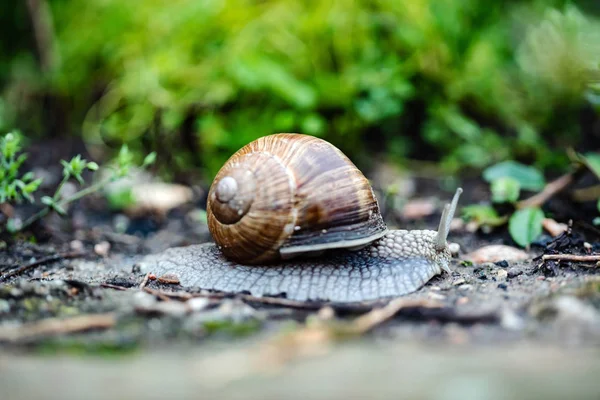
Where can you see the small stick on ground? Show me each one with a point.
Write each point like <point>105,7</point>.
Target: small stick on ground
<point>571,257</point>
<point>377,316</point>
<point>278,301</point>
<point>158,293</point>
<point>145,281</point>
<point>550,190</point>
<point>56,326</point>
<point>171,295</point>
<point>273,301</point>
<point>41,261</point>
<point>116,287</point>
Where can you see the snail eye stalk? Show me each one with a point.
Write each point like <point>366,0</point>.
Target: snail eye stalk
<point>447,215</point>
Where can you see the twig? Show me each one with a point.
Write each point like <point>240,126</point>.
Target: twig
<point>551,189</point>
<point>378,316</point>
<point>56,326</point>
<point>116,287</point>
<point>590,193</point>
<point>158,293</point>
<point>571,257</point>
<point>145,281</point>
<point>45,260</point>
<point>278,301</point>
<point>351,308</point>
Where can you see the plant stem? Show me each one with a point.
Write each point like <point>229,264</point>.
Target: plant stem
<point>82,193</point>
<point>38,215</point>
<point>60,186</point>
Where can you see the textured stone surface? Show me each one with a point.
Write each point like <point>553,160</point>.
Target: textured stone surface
<point>398,264</point>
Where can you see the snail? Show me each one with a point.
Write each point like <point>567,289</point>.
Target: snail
<point>292,216</point>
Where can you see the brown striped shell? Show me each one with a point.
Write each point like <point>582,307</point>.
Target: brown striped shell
<point>289,194</point>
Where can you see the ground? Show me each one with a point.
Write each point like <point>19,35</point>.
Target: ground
<point>77,300</point>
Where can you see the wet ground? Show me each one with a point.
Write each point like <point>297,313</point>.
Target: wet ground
<point>78,318</point>
<point>488,330</point>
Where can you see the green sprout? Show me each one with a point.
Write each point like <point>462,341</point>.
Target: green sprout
<point>14,188</point>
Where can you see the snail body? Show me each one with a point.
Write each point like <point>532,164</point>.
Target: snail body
<point>295,196</point>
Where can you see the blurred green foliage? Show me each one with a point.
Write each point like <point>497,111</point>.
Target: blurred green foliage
<point>470,82</point>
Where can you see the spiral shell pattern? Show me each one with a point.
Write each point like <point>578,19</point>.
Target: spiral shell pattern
<point>288,194</point>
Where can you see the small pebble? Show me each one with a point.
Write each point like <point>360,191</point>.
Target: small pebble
<point>541,278</point>
<point>462,300</point>
<point>418,209</point>
<point>465,287</point>
<point>197,303</point>
<point>514,272</point>
<point>480,273</point>
<point>436,296</point>
<point>454,248</point>
<point>102,248</point>
<point>143,300</point>
<point>136,268</point>
<point>326,313</point>
<point>435,288</point>
<point>459,281</point>
<point>510,320</point>
<point>502,263</point>
<point>502,286</point>
<point>496,253</point>
<point>121,223</point>
<point>171,308</point>
<point>76,245</point>
<point>4,306</point>
<point>457,224</point>
<point>587,246</point>
<point>502,274</point>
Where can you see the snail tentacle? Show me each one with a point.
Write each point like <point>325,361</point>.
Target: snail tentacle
<point>446,220</point>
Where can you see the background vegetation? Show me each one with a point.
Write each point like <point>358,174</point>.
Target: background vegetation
<point>466,82</point>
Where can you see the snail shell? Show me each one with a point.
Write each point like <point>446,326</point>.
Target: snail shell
<point>289,194</point>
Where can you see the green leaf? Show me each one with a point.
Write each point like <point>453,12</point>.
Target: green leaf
<point>56,207</point>
<point>592,161</point>
<point>27,177</point>
<point>13,225</point>
<point>149,159</point>
<point>120,199</point>
<point>529,178</point>
<point>313,124</point>
<point>505,190</point>
<point>79,178</point>
<point>526,225</point>
<point>10,144</point>
<point>47,200</point>
<point>483,215</point>
<point>92,166</point>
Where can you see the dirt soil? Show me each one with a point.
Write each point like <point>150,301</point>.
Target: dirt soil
<point>79,320</point>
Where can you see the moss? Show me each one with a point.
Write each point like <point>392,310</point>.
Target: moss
<point>233,328</point>
<point>85,347</point>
